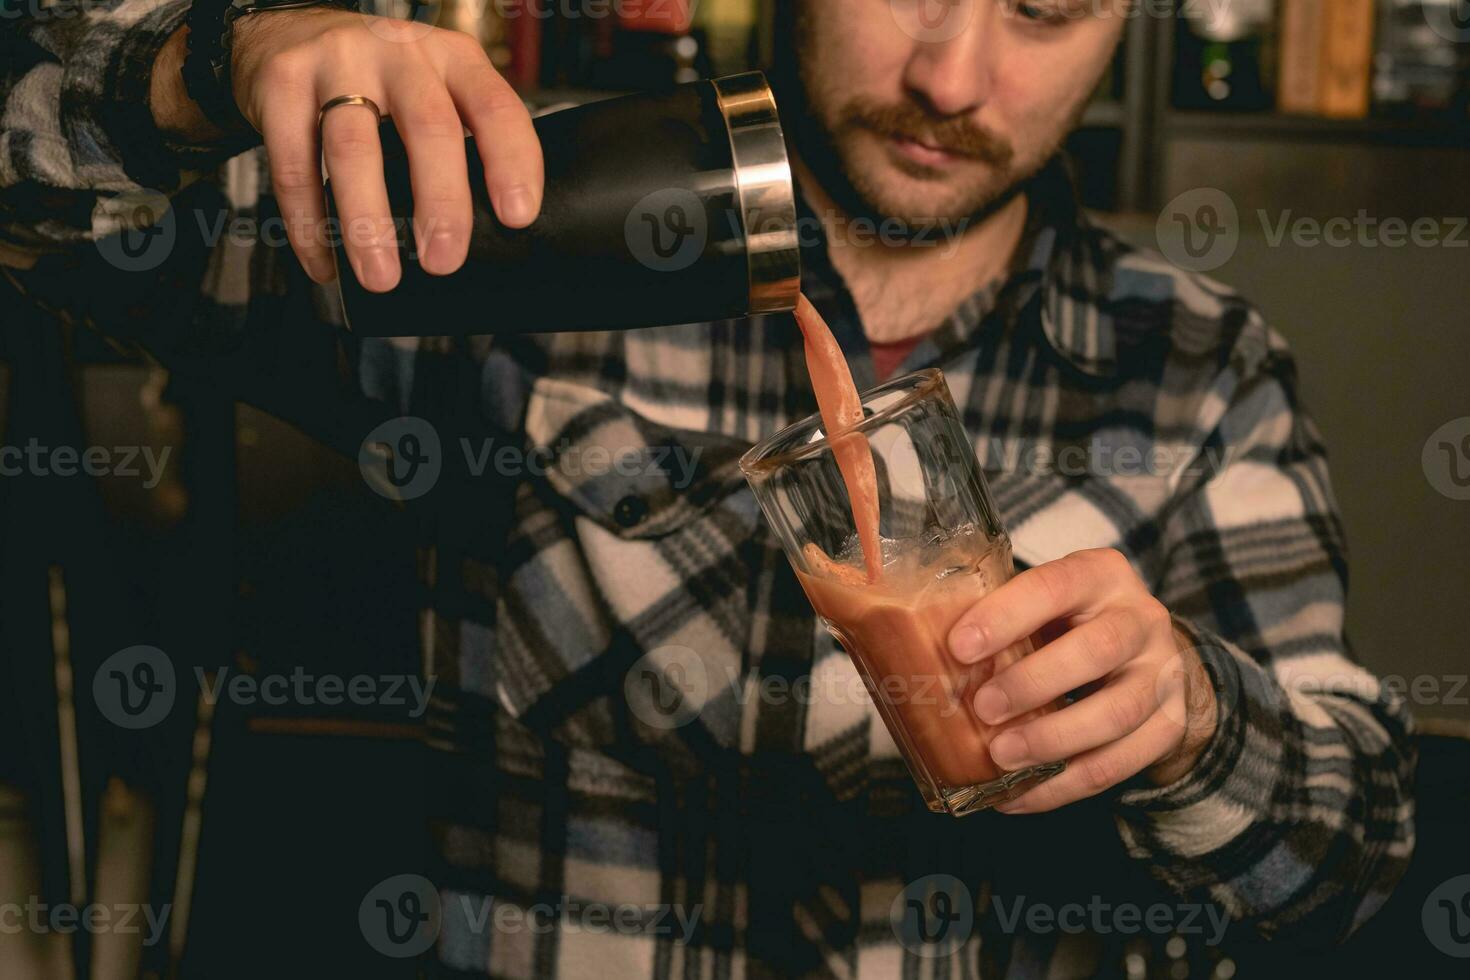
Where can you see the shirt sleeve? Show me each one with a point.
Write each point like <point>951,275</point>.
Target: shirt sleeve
<point>1299,815</point>
<point>78,145</point>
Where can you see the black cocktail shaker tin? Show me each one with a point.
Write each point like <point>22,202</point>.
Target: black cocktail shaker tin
<point>661,208</point>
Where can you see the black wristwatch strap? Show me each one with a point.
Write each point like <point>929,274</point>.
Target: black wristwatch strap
<point>207,44</point>
<point>206,69</point>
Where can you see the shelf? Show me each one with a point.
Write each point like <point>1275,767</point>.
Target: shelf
<point>1277,126</point>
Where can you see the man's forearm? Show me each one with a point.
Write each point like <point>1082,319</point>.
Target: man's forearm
<point>176,115</point>
<point>135,128</point>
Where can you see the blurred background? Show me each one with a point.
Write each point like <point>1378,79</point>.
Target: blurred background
<point>1324,145</point>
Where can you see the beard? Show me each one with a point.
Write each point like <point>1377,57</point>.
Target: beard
<point>870,177</point>
<point>849,145</point>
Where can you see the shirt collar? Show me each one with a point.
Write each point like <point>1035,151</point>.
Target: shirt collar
<point>1072,279</point>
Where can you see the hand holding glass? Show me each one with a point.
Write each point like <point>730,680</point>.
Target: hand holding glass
<point>943,549</point>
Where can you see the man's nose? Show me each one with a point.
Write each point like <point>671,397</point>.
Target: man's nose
<point>952,65</point>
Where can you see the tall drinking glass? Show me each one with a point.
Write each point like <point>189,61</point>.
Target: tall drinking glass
<point>943,549</point>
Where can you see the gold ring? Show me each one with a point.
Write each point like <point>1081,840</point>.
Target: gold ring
<point>348,100</point>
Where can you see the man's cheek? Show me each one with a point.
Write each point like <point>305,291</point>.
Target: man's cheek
<point>1036,124</point>
<point>848,49</point>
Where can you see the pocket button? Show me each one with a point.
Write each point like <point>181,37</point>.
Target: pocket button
<point>630,511</point>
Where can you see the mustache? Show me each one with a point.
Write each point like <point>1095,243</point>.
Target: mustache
<point>954,134</point>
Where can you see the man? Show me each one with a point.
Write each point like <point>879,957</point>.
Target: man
<point>1186,577</point>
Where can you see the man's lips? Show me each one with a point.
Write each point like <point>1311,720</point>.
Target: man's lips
<point>926,154</point>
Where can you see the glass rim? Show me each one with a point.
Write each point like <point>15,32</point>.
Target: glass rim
<point>760,460</point>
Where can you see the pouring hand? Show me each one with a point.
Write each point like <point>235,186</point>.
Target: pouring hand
<point>433,82</point>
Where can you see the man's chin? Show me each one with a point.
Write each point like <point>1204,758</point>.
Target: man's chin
<point>922,203</point>
<point>892,185</point>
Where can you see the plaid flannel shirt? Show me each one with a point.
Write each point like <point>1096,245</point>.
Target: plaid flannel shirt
<point>784,827</point>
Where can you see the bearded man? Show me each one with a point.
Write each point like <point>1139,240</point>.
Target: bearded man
<point>776,832</point>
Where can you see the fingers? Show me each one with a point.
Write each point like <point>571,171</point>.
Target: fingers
<point>506,140</point>
<point>1070,586</point>
<point>288,127</point>
<point>1101,768</point>
<point>1092,650</point>
<point>354,159</point>
<point>1106,716</point>
<point>433,83</point>
<point>434,137</point>
<point>430,111</point>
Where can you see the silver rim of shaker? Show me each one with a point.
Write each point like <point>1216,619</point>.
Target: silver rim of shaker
<point>764,187</point>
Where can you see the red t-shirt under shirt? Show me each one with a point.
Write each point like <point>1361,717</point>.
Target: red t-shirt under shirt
<point>887,357</point>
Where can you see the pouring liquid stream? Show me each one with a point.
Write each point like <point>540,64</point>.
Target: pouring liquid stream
<point>841,409</point>
<point>894,621</point>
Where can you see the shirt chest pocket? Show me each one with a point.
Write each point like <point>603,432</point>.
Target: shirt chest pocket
<point>627,561</point>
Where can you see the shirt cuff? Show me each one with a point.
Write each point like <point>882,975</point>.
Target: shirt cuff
<point>105,110</point>
<point>1236,774</point>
